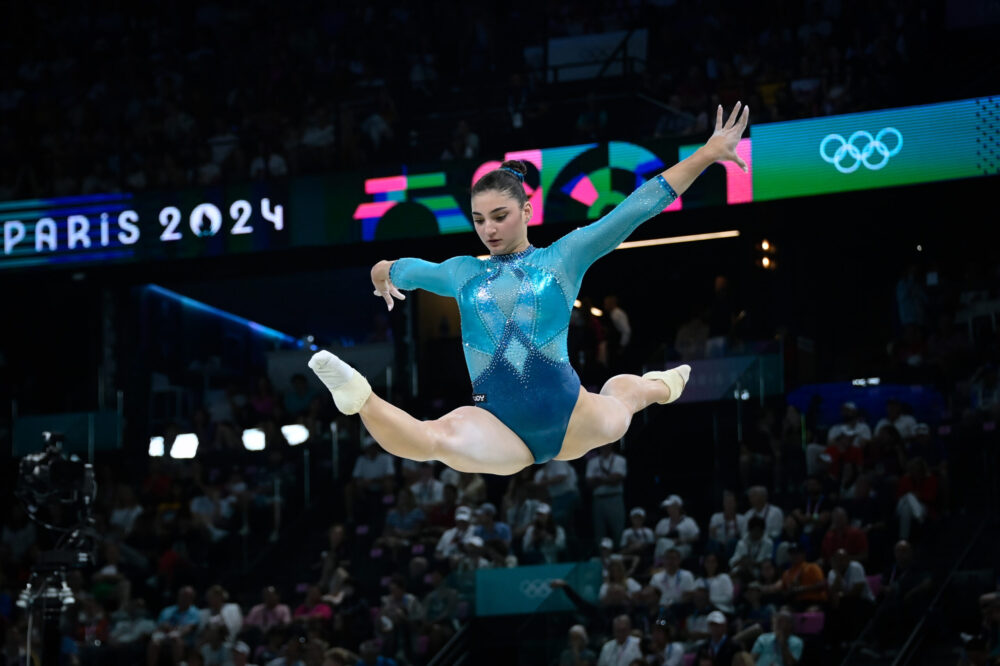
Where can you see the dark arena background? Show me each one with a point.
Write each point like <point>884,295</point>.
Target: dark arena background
<point>192,195</point>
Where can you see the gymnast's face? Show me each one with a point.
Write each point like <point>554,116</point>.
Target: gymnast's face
<point>502,224</point>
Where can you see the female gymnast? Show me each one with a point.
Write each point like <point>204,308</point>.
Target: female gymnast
<point>515,309</point>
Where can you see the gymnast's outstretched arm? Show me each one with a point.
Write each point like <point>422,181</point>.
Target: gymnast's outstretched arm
<point>443,279</point>
<point>582,247</point>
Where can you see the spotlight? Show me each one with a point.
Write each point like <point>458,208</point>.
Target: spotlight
<point>596,312</point>
<point>766,262</point>
<point>253,439</point>
<point>185,445</point>
<point>294,434</point>
<point>577,303</point>
<point>764,245</point>
<point>156,446</point>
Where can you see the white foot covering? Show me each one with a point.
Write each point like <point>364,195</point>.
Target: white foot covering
<point>349,388</point>
<point>675,379</point>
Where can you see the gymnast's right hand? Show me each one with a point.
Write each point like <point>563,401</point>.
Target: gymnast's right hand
<point>383,285</point>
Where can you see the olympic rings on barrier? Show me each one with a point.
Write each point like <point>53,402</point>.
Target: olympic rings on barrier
<point>860,155</point>
<point>535,588</point>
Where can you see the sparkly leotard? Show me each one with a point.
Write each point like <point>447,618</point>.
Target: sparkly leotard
<point>515,311</point>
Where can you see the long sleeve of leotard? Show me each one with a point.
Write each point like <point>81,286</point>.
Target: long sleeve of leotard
<point>580,248</point>
<point>443,279</point>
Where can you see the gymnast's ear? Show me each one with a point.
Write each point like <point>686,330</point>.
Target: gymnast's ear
<point>526,211</point>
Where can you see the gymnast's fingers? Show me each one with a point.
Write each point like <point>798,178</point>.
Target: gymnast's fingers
<point>718,119</point>
<point>386,295</point>
<point>396,292</point>
<point>733,115</point>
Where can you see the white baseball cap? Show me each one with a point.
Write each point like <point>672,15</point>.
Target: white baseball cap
<point>463,513</point>
<point>716,617</point>
<point>606,542</point>
<point>637,511</point>
<point>672,499</point>
<point>543,508</point>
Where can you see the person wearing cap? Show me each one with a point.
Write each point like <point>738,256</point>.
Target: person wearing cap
<point>638,539</point>
<point>428,491</point>
<point>450,542</point>
<point>663,649</point>
<point>577,653</point>
<point>773,516</point>
<point>719,646</point>
<point>675,530</point>
<point>489,528</point>
<point>373,477</point>
<point>855,430</point>
<point>240,654</point>
<point>674,584</point>
<point>905,424</point>
<point>623,648</point>
<point>780,647</point>
<point>544,539</point>
<point>726,527</point>
<point>473,555</point>
<point>605,473</point>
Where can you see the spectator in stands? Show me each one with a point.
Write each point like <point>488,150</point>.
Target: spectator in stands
<point>674,584</point>
<point>618,589</point>
<point>559,479</point>
<point>663,649</point>
<point>917,495</point>
<point>851,426</point>
<point>638,539</point>
<point>126,510</point>
<point>789,535</point>
<point>544,540</point>
<point>371,657</point>
<point>472,555</point>
<point>803,584</point>
<point>894,416</point>
<point>449,545</point>
<point>313,606</point>
<point>212,512</point>
<point>488,528</point>
<point>905,589</point>
<point>843,535</point>
<point>696,623</point>
<point>442,516</point>
<point>220,612</point>
<point>177,629</point>
<point>428,491</point>
<point>623,648</point>
<point>373,478</point>
<point>753,610</point>
<point>269,613</point>
<point>675,530</point>
<point>404,611</point>
<point>402,523</point>
<point>780,647</point>
<point>131,626</point>
<point>298,399</point>
<point>851,598</point>
<point>519,503</point>
<point>726,527</point>
<point>752,549</point>
<point>719,584</point>
<point>605,473</point>
<point>441,603</point>
<point>576,652</point>
<point>719,646</point>
<point>471,489</point>
<point>336,554</point>
<point>619,334</point>
<point>840,455</point>
<point>773,517</point>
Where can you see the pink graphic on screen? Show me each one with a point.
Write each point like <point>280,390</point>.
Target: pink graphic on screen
<point>585,192</point>
<point>739,185</point>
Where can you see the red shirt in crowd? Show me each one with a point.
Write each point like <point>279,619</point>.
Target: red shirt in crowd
<point>851,539</point>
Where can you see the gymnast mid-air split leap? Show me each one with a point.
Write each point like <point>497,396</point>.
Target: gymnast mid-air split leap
<point>515,309</point>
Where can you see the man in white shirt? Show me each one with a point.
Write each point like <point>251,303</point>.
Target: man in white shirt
<point>451,541</point>
<point>752,549</point>
<point>559,478</point>
<point>674,584</point>
<point>605,473</point>
<point>427,491</point>
<point>372,478</point>
<point>624,648</point>
<point>851,598</point>
<point>637,539</point>
<point>726,527</point>
<point>851,427</point>
<point>675,530</point>
<point>774,517</point>
<point>894,416</point>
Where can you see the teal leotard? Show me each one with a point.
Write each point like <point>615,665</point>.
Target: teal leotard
<point>515,312</point>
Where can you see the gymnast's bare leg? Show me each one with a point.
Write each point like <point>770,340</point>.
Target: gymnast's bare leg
<point>468,439</point>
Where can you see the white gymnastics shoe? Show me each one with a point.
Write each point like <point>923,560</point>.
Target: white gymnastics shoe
<point>349,388</point>
<point>675,379</point>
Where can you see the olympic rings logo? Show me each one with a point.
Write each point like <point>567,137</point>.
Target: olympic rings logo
<point>535,588</point>
<point>856,156</point>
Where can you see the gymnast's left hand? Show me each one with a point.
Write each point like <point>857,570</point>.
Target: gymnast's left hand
<point>383,285</point>
<point>723,142</point>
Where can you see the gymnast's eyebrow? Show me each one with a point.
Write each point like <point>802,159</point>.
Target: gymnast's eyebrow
<point>498,208</point>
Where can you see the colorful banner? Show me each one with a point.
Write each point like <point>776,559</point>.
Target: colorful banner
<point>567,184</point>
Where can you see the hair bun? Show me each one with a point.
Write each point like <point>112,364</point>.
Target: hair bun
<point>516,165</point>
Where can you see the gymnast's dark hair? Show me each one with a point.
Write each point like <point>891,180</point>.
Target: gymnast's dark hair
<point>505,180</point>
